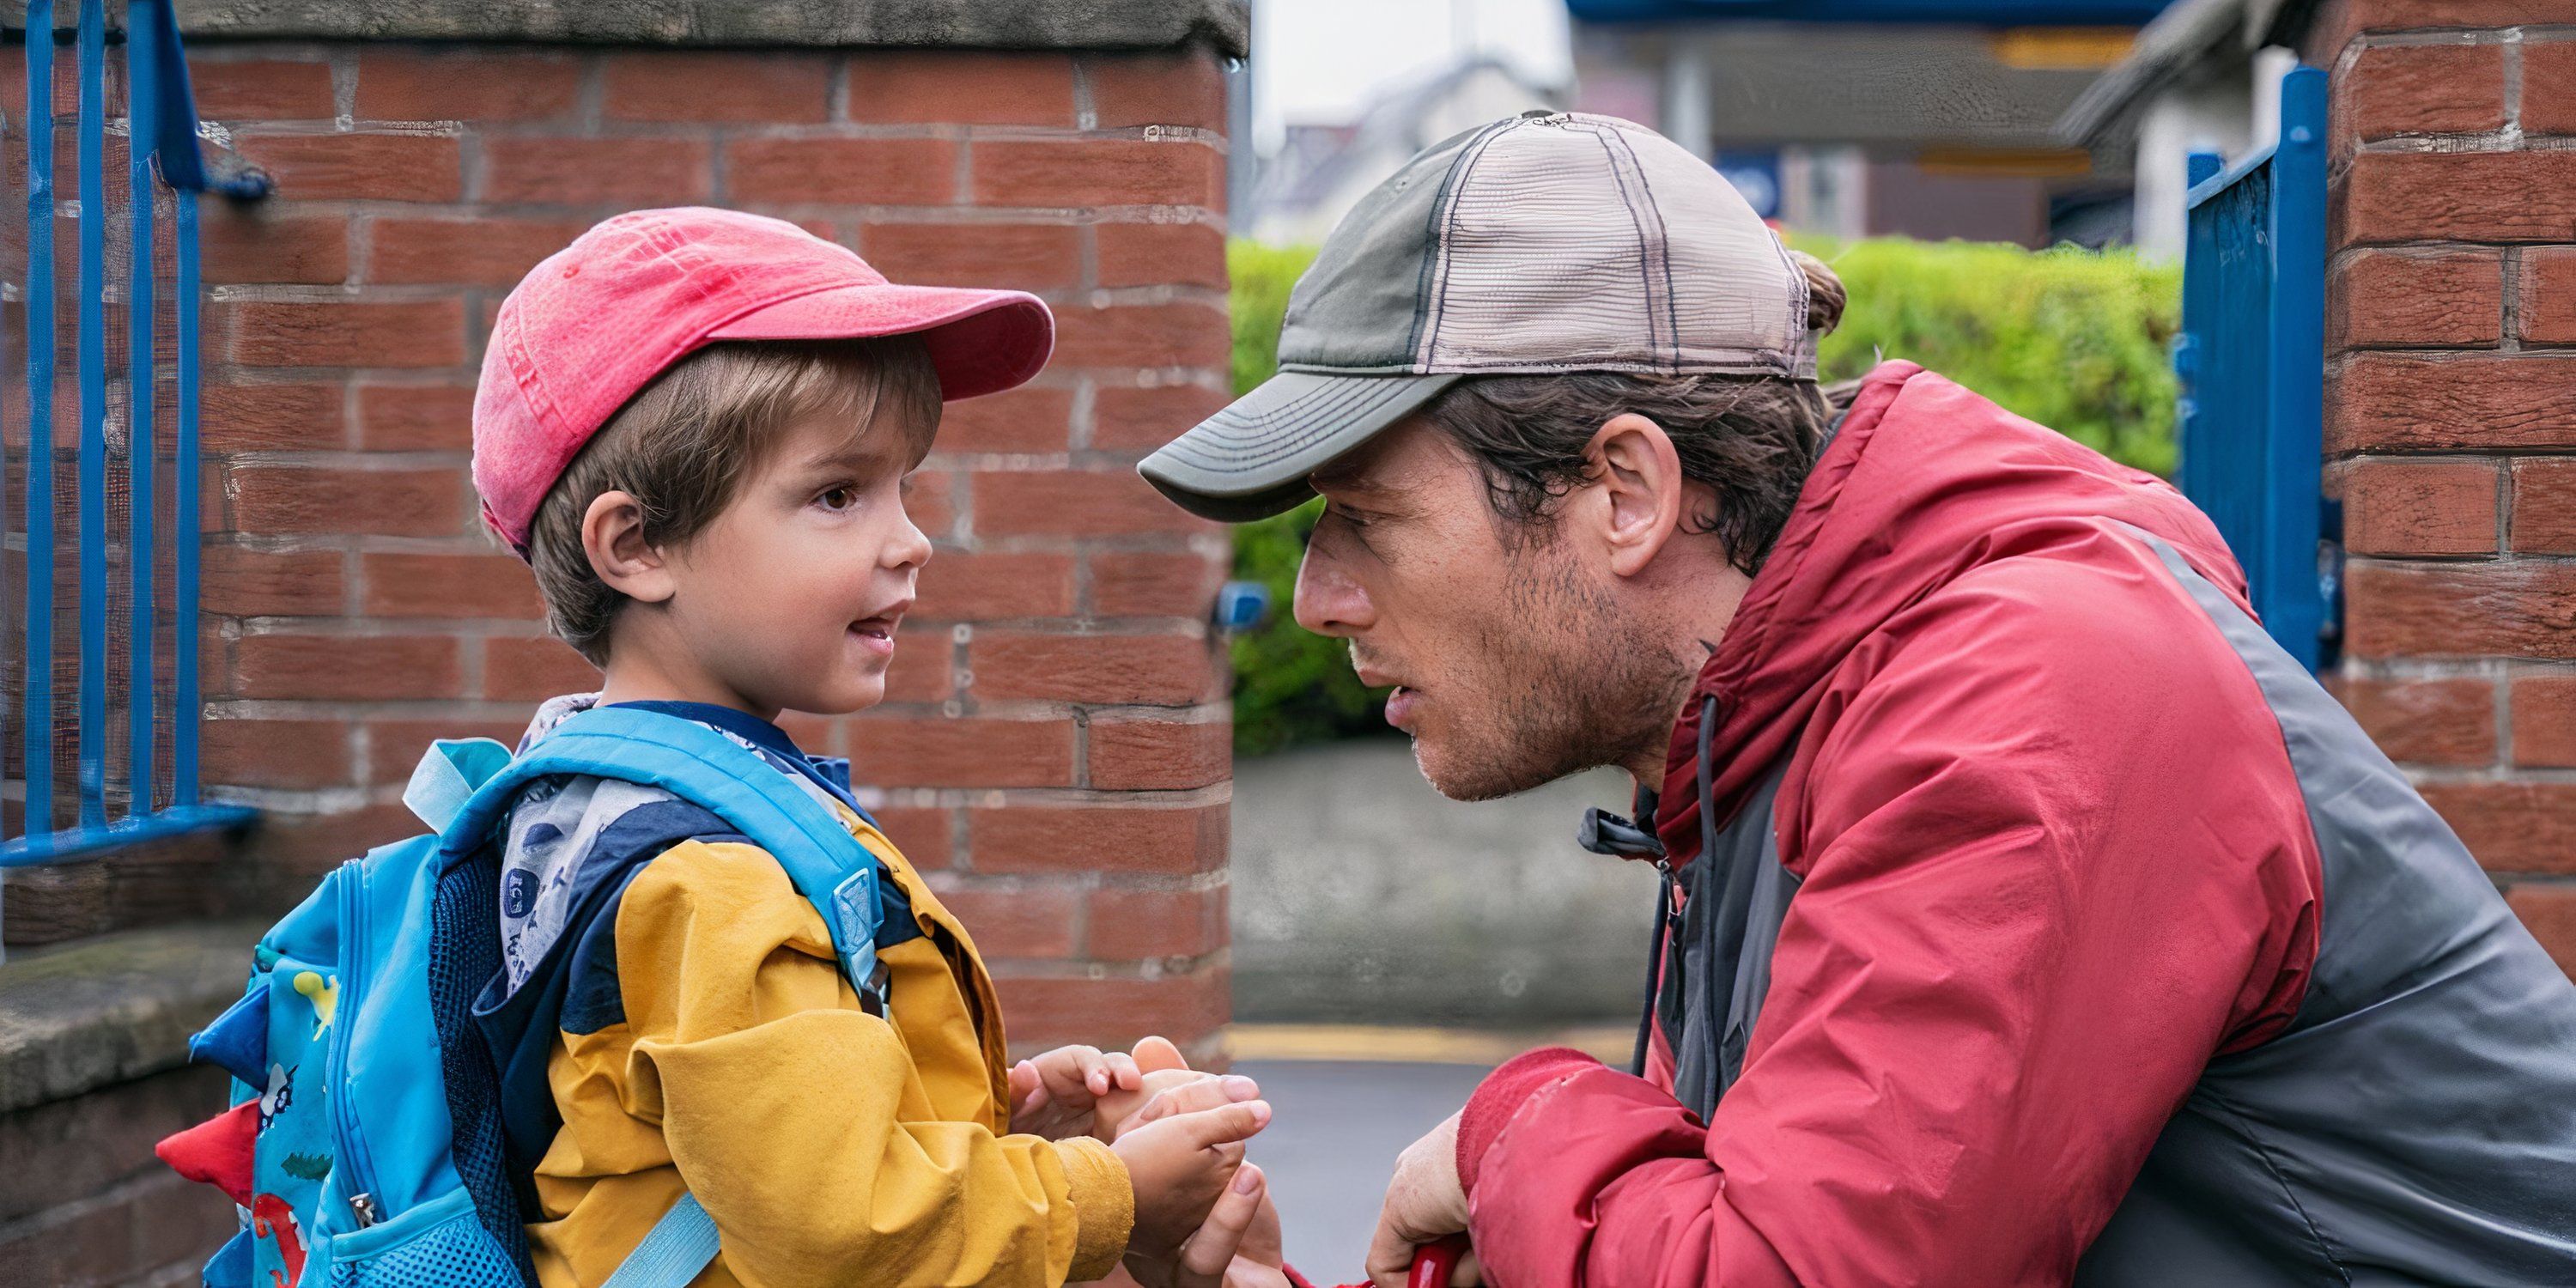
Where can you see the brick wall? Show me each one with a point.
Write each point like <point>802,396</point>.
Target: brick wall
<point>1054,744</point>
<point>2451,414</point>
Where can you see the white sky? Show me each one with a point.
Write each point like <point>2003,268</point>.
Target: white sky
<point>1319,60</point>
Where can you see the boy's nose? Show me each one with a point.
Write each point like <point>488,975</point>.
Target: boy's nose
<point>910,547</point>
<point>1329,600</point>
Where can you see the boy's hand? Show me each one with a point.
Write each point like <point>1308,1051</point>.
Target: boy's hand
<point>1179,1167</point>
<point>1238,1247</point>
<point>1057,1095</point>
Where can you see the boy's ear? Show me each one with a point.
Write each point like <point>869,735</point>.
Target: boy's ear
<point>612,534</point>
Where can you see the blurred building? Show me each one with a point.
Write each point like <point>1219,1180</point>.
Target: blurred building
<point>2205,77</point>
<point>1926,118</point>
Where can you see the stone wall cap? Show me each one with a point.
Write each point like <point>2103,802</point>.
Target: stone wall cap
<point>115,1007</point>
<point>967,24</point>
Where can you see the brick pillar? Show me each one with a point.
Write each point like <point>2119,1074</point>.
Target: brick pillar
<point>1054,744</point>
<point>2451,405</point>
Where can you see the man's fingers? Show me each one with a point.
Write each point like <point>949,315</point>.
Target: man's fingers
<point>1157,1053</point>
<point>1390,1256</point>
<point>1206,1254</point>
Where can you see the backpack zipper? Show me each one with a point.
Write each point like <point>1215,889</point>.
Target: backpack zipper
<point>353,951</point>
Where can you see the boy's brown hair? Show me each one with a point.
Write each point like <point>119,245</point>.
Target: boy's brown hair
<point>686,443</point>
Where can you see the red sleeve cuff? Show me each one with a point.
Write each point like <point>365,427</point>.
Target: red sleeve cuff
<point>1501,1095</point>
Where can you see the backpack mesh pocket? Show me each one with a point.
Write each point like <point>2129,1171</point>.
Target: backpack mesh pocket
<point>451,1250</point>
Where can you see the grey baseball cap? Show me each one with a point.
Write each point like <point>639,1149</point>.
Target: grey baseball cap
<point>1545,242</point>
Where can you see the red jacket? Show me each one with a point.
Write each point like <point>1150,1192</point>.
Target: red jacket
<point>2053,865</point>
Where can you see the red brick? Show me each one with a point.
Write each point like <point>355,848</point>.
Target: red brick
<point>978,587</point>
<point>277,753</point>
<point>270,418</point>
<point>1029,922</point>
<point>1158,670</point>
<point>658,171</point>
<point>1075,503</point>
<point>2512,826</point>
<point>2413,15</point>
<point>912,751</point>
<point>1161,254</point>
<point>532,670</point>
<point>240,582</point>
<point>2462,196</point>
<point>768,88</point>
<point>435,585</point>
<point>2549,913</point>
<point>2386,297</point>
<point>1130,925</point>
<point>2401,507</point>
<point>2427,722</point>
<point>2525,609</point>
<point>1053,1010</point>
<point>864,172</point>
<point>2544,721</point>
<point>416,418</point>
<point>1179,87</point>
<point>480,84</point>
<point>1152,585</point>
<point>355,668</point>
<point>395,503</point>
<point>372,167</point>
<point>924,667</point>
<point>427,333</point>
<point>394,747</point>
<point>1141,418</point>
<point>922,835</point>
<point>1098,838</point>
<point>1031,418</point>
<point>1099,172</point>
<point>1160,755</point>
<point>2549,87</point>
<point>931,502</point>
<point>2474,402</point>
<point>1027,257</point>
<point>2544,506</point>
<point>1143,335</point>
<point>483,250</point>
<point>2425,89</point>
<point>298,848</point>
<point>961,88</point>
<point>261,90</point>
<point>242,243</point>
<point>2547,300</point>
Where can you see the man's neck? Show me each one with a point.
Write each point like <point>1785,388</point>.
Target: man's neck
<point>1690,619</point>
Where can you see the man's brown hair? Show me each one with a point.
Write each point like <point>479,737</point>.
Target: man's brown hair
<point>685,445</point>
<point>1750,438</point>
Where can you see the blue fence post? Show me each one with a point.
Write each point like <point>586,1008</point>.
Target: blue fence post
<point>39,696</point>
<point>185,535</point>
<point>2295,448</point>
<point>140,384</point>
<point>93,395</point>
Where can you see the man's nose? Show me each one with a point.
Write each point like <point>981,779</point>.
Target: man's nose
<point>1329,600</point>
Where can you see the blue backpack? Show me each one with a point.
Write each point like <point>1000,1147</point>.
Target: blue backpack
<point>364,1103</point>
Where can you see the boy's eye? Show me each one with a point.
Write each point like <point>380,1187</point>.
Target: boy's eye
<point>838,498</point>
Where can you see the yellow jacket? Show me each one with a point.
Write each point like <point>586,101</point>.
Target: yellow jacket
<point>832,1147</point>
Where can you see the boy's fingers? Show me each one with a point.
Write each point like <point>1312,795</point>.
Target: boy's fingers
<point>1199,1096</point>
<point>1024,1079</point>
<point>1068,1077</point>
<point>1123,1071</point>
<point>1206,1254</point>
<point>1232,1124</point>
<point>1157,1053</point>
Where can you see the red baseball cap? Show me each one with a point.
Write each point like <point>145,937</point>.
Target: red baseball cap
<point>600,318</point>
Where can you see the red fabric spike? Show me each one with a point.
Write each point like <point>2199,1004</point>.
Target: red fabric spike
<point>216,1151</point>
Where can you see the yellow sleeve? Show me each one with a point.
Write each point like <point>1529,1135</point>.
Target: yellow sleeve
<point>800,1121</point>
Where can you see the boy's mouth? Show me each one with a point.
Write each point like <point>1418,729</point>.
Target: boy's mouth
<point>877,631</point>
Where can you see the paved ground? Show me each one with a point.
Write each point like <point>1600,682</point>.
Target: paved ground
<point>1329,1152</point>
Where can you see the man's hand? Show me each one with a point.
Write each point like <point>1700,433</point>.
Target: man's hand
<point>1424,1204</point>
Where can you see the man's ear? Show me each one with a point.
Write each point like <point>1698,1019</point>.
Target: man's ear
<point>612,534</point>
<point>1640,477</point>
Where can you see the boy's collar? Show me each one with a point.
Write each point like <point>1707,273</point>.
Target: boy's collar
<point>742,724</point>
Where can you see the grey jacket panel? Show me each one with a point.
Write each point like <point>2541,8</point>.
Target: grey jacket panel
<point>2415,1124</point>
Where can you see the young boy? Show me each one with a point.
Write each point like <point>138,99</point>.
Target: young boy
<point>695,425</point>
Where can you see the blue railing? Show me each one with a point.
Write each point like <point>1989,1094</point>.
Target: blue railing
<point>162,158</point>
<point>2252,363</point>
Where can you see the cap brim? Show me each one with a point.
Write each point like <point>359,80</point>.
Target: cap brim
<point>1250,461</point>
<point>982,342</point>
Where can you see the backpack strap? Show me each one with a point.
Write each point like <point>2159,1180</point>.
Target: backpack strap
<point>836,874</point>
<point>447,775</point>
<point>672,1252</point>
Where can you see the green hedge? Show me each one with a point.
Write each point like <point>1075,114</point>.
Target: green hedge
<point>2073,339</point>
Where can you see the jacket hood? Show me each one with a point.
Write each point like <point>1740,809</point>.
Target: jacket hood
<point>1922,483</point>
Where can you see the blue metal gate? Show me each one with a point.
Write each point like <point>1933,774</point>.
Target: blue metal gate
<point>2252,366</point>
<point>117,703</point>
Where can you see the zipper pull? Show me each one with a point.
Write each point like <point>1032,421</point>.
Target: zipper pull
<point>363,1207</point>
